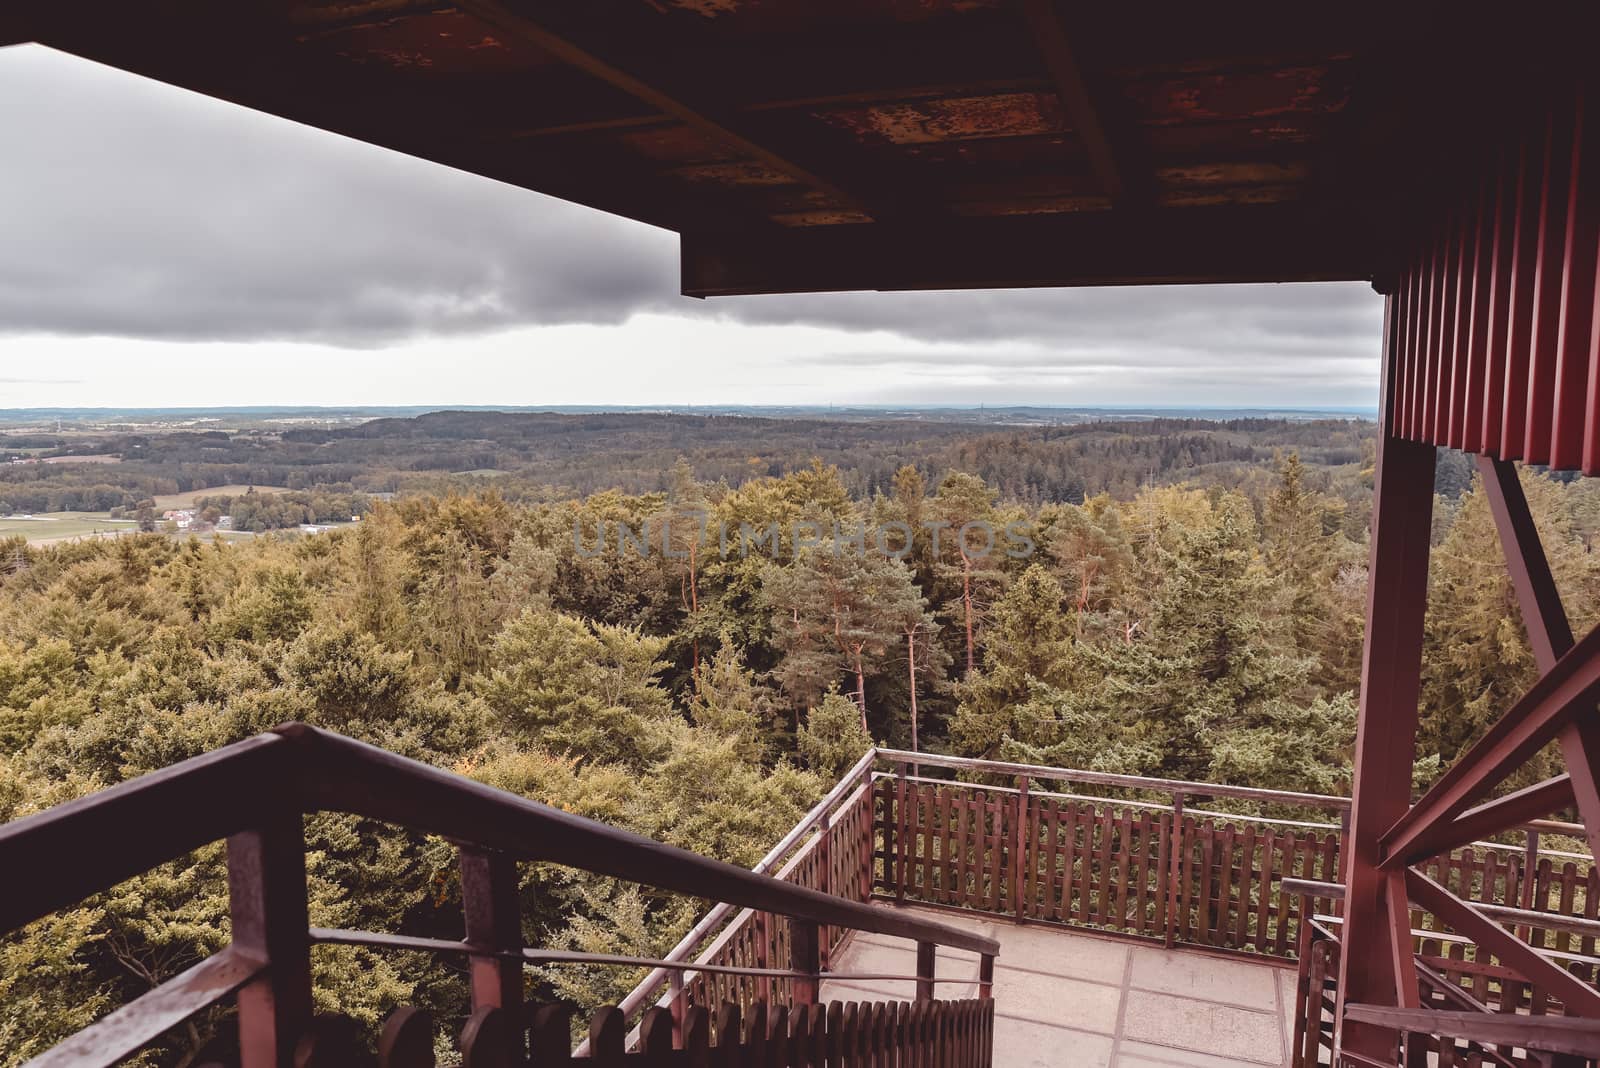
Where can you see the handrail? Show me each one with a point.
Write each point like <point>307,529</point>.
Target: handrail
<point>176,810</point>
<point>712,919</point>
<point>1154,806</point>
<point>1571,1035</point>
<point>1580,926</point>
<point>1106,778</point>
<point>308,769</point>
<point>378,940</point>
<point>1175,786</point>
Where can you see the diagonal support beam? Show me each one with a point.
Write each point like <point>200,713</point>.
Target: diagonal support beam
<point>1108,158</point>
<point>1566,691</point>
<point>1546,620</point>
<point>651,89</point>
<point>1549,631</point>
<point>1402,954</point>
<point>1578,997</point>
<point>1503,813</point>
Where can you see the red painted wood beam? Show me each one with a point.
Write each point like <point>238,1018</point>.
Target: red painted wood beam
<point>1569,689</point>
<point>1577,997</point>
<point>1482,1027</point>
<point>1545,620</point>
<point>1503,813</point>
<point>1386,732</point>
<point>1572,357</point>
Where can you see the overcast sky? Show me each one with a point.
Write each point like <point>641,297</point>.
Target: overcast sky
<point>158,248</point>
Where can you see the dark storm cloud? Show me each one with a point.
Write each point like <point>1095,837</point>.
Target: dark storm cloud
<point>137,210</point>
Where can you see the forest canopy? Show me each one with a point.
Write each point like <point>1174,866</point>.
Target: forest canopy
<point>1201,624</point>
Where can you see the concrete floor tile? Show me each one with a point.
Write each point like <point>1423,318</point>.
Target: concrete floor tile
<point>1057,1000</point>
<point>1041,949</point>
<point>1143,1054</point>
<point>1204,1026</point>
<point>1196,975</point>
<point>1022,1044</point>
<point>1058,996</point>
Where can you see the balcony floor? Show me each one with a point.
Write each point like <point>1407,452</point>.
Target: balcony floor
<point>1070,1000</point>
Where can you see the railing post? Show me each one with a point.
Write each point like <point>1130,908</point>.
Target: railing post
<point>901,833</point>
<point>925,964</point>
<point>1530,868</point>
<point>1019,840</point>
<point>825,883</point>
<point>1174,871</point>
<point>493,922</point>
<point>762,924</point>
<point>267,907</point>
<point>805,956</point>
<point>678,1005</point>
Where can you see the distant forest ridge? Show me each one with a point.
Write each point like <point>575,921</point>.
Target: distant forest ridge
<point>531,456</point>
<point>971,413</point>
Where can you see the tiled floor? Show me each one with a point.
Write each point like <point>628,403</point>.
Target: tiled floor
<point>1065,1000</point>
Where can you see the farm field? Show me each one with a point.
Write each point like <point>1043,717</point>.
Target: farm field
<point>188,500</point>
<point>49,527</point>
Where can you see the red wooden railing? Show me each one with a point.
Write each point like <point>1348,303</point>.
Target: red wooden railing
<point>1050,857</point>
<point>1458,976</point>
<point>255,794</point>
<point>1039,852</point>
<point>809,1036</point>
<point>1025,843</point>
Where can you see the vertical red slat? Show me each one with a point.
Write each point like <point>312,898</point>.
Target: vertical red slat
<point>1519,314</point>
<point>1423,315</point>
<point>1395,406</point>
<point>1468,427</point>
<point>1402,402</point>
<point>1450,294</point>
<point>1547,287</point>
<point>1413,347</point>
<point>1430,351</point>
<point>1494,382</point>
<point>1591,433</point>
<point>1466,251</point>
<point>1452,373</point>
<point>1571,399</point>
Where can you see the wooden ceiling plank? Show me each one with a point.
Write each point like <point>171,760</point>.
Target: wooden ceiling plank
<point>255,63</point>
<point>729,128</point>
<point>1109,158</point>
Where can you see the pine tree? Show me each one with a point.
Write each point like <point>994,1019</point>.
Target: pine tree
<point>969,551</point>
<point>833,737</point>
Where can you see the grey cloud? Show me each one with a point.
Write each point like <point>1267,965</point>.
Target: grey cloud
<point>138,210</point>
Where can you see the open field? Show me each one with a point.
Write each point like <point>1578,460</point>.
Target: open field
<point>50,527</point>
<point>187,500</point>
